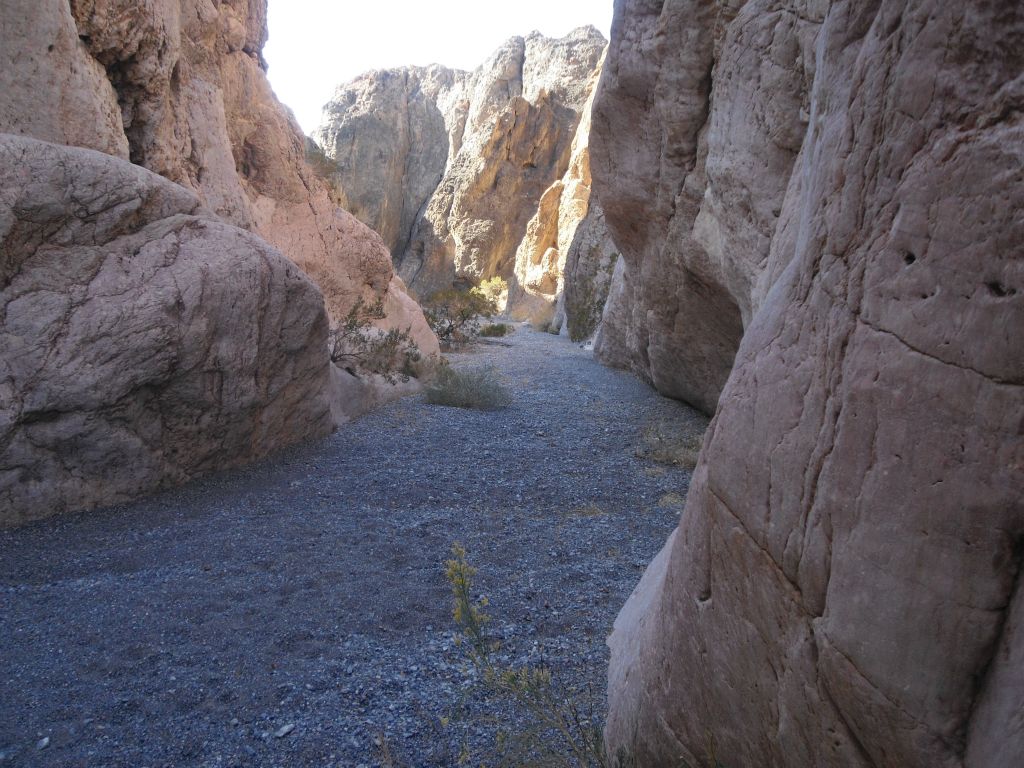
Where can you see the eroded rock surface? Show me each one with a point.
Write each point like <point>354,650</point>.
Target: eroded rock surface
<point>144,340</point>
<point>176,86</point>
<point>450,166</point>
<point>564,264</point>
<point>844,586</point>
<point>698,126</point>
<point>195,107</point>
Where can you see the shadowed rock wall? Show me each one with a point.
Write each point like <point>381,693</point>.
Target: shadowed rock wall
<point>844,585</point>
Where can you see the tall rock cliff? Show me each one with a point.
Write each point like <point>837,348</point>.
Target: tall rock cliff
<point>564,263</point>
<point>180,280</point>
<point>193,104</point>
<point>839,184</point>
<point>451,166</point>
<point>718,94</point>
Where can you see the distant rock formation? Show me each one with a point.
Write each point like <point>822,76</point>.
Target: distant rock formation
<point>176,86</point>
<point>564,264</point>
<point>834,189</point>
<point>451,166</point>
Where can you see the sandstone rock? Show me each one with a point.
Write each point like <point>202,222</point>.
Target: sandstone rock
<point>50,87</point>
<point>844,585</point>
<point>196,107</point>
<point>692,185</point>
<point>145,341</point>
<point>564,264</point>
<point>451,166</point>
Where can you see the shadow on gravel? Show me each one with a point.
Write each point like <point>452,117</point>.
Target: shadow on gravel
<point>296,612</point>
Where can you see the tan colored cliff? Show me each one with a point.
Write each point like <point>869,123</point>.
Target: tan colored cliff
<point>694,186</point>
<point>451,166</point>
<point>564,263</point>
<point>205,306</point>
<point>839,184</point>
<point>195,107</point>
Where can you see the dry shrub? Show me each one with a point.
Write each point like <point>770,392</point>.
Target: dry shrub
<point>477,388</point>
<point>666,445</point>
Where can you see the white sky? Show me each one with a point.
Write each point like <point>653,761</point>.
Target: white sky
<point>316,45</point>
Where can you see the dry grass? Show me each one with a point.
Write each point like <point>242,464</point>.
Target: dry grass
<point>478,389</point>
<point>496,330</point>
<point>672,500</point>
<point>663,444</point>
<point>587,510</point>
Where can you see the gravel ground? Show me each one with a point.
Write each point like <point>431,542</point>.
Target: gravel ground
<point>295,612</point>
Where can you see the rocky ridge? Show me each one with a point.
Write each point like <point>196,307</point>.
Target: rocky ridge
<point>451,166</point>
<point>834,189</point>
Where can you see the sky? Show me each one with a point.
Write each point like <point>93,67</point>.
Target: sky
<point>316,45</point>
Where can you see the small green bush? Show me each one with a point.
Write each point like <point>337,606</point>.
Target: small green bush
<point>357,345</point>
<point>478,389</point>
<point>565,731</point>
<point>454,314</point>
<point>496,330</point>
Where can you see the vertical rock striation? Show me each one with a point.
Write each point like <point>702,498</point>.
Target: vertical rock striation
<point>564,264</point>
<point>698,127</point>
<point>450,166</point>
<point>844,585</point>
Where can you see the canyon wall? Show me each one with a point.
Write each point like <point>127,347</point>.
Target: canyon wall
<point>720,104</point>
<point>451,166</point>
<point>564,263</point>
<point>178,87</point>
<point>205,306</point>
<point>838,184</point>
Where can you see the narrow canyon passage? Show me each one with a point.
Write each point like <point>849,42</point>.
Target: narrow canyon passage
<point>295,612</point>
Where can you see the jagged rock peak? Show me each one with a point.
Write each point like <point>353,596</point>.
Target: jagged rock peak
<point>431,157</point>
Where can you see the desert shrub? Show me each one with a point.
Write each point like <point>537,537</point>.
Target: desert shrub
<point>495,289</point>
<point>357,345</point>
<point>496,330</point>
<point>478,389</point>
<point>564,729</point>
<point>665,445</point>
<point>454,314</point>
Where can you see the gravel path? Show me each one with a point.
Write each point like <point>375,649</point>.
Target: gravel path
<point>295,612</point>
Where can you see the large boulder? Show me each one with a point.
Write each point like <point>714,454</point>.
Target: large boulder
<point>195,106</point>
<point>145,340</point>
<point>844,585</point>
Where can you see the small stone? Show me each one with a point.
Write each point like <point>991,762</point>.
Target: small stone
<point>284,730</point>
<point>43,743</point>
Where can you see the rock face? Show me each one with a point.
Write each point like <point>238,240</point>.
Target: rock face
<point>844,585</point>
<point>195,107</point>
<point>145,340</point>
<point>564,264</point>
<point>694,186</point>
<point>451,166</point>
<point>176,86</point>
